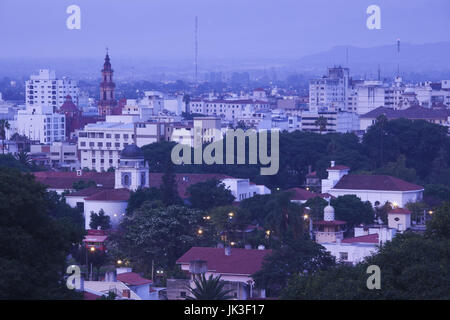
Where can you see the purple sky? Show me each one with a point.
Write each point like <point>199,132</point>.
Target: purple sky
<point>229,29</point>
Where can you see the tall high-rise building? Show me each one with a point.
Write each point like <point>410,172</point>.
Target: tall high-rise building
<point>108,103</point>
<point>46,90</point>
<point>331,91</point>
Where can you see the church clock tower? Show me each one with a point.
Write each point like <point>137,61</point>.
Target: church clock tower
<point>108,100</point>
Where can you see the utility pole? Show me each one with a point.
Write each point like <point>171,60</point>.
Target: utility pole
<point>196,50</point>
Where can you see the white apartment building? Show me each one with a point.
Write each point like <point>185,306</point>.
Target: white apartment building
<point>229,110</point>
<point>330,91</point>
<point>60,154</point>
<point>337,121</point>
<point>100,144</point>
<point>201,130</point>
<point>45,89</point>
<point>243,189</point>
<point>41,123</point>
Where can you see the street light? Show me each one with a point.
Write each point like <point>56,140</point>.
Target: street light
<point>200,231</point>
<point>119,262</point>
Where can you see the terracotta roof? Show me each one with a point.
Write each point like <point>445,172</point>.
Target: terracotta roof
<point>240,261</point>
<point>375,182</point>
<point>414,113</point>
<point>329,223</point>
<point>111,195</point>
<point>132,279</point>
<point>184,180</point>
<point>65,180</point>
<point>90,296</point>
<point>301,194</point>
<point>85,192</point>
<point>339,167</point>
<point>400,211</point>
<point>370,238</point>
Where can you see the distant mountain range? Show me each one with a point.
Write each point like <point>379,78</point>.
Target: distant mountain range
<point>431,58</point>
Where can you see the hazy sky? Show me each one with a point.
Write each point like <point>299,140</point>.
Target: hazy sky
<point>164,29</point>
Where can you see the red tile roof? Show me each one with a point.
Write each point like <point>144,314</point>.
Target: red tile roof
<point>94,238</point>
<point>184,180</point>
<point>400,211</point>
<point>370,238</point>
<point>85,192</point>
<point>132,279</point>
<point>240,261</point>
<point>90,296</point>
<point>65,180</point>
<point>111,195</point>
<point>375,182</point>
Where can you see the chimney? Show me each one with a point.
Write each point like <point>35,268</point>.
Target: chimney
<point>261,247</point>
<point>126,293</point>
<point>333,163</point>
<point>227,251</point>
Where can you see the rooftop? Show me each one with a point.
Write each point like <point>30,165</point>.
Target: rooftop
<point>375,182</point>
<point>240,261</point>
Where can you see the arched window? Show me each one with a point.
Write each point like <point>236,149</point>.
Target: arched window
<point>126,180</point>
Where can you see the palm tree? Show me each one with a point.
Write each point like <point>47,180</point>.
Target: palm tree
<point>24,158</point>
<point>4,125</point>
<point>321,123</point>
<point>209,289</point>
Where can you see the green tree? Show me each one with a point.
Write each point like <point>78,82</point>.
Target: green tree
<point>101,220</point>
<point>351,209</point>
<point>168,189</point>
<point>439,225</point>
<point>141,195</point>
<point>209,289</point>
<point>321,123</point>
<point>209,194</point>
<point>34,241</point>
<point>398,169</point>
<point>159,234</point>
<point>4,125</point>
<point>24,158</point>
<point>83,184</point>
<point>293,257</point>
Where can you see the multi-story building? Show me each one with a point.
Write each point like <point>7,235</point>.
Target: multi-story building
<point>330,91</point>
<point>45,89</point>
<point>41,123</point>
<point>229,110</point>
<point>100,144</point>
<point>336,121</point>
<point>59,154</point>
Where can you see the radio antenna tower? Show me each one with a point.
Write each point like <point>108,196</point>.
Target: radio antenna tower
<point>398,57</point>
<point>196,50</point>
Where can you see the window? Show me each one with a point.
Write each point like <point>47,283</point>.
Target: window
<point>343,256</point>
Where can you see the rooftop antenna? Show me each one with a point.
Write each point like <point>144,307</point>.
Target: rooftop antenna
<point>346,57</point>
<point>196,49</point>
<point>398,57</point>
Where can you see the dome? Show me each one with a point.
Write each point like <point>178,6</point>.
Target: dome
<point>132,151</point>
<point>328,213</point>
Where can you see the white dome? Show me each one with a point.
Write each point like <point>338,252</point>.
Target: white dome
<point>328,213</point>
